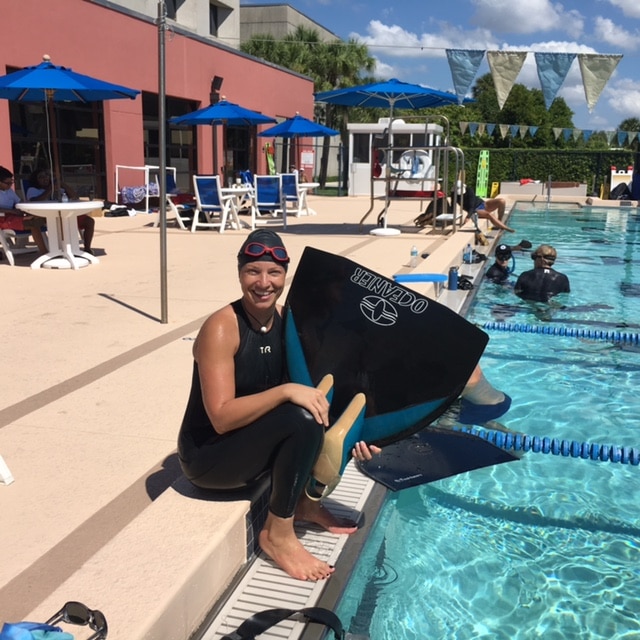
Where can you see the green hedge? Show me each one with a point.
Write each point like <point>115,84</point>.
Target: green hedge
<point>590,167</point>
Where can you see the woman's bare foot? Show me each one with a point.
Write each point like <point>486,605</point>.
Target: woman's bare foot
<point>278,540</point>
<point>314,511</point>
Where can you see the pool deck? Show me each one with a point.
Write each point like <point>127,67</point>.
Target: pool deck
<point>94,387</point>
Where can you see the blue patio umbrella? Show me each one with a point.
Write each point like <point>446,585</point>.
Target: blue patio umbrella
<point>220,113</point>
<point>223,112</point>
<point>49,83</point>
<point>298,127</point>
<point>393,94</point>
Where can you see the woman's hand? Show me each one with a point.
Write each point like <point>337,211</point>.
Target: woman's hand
<point>362,451</point>
<point>310,398</point>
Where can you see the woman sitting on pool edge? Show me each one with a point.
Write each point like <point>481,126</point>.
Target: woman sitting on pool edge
<point>243,419</point>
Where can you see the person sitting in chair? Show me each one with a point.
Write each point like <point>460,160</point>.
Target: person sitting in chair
<point>476,206</point>
<point>8,200</point>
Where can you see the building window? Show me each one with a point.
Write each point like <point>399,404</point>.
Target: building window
<point>181,141</point>
<point>172,11</point>
<point>80,142</point>
<point>214,22</point>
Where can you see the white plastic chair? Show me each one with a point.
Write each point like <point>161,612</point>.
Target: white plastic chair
<point>16,242</point>
<point>211,203</point>
<point>182,214</point>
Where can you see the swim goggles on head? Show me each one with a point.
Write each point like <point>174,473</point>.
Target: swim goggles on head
<point>257,249</point>
<point>548,258</point>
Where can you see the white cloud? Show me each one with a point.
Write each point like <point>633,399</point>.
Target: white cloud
<point>526,16</point>
<point>623,97</point>
<point>384,70</point>
<point>607,31</point>
<point>630,8</point>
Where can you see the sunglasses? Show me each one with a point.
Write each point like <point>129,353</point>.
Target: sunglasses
<point>257,249</point>
<point>78,613</point>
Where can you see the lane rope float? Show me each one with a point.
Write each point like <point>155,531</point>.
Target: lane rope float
<point>590,334</point>
<point>556,446</point>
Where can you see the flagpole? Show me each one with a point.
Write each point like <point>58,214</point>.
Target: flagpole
<point>162,154</point>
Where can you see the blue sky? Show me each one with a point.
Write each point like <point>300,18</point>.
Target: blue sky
<point>408,38</point>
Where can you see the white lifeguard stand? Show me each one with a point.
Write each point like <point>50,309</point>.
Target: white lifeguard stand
<point>367,140</point>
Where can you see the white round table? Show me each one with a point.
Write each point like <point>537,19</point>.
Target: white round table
<point>62,230</point>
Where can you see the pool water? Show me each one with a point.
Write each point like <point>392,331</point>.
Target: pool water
<point>546,546</point>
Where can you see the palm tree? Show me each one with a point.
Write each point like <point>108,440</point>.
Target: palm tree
<point>331,64</point>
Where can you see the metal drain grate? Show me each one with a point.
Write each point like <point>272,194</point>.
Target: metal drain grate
<point>265,586</point>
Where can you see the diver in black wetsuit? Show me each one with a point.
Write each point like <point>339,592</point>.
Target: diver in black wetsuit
<point>244,420</point>
<point>542,282</point>
<point>500,270</point>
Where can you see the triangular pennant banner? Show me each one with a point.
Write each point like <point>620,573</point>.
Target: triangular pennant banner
<point>622,136</point>
<point>481,128</point>
<point>552,70</point>
<point>586,134</point>
<point>596,70</point>
<point>513,130</point>
<point>576,134</point>
<point>566,133</point>
<point>556,132</point>
<point>473,128</point>
<point>463,127</point>
<point>523,130</point>
<point>464,66</point>
<point>491,128</point>
<point>504,130</point>
<point>632,136</point>
<point>533,130</point>
<point>610,135</point>
<point>505,67</point>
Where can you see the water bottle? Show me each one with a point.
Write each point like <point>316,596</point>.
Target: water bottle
<point>467,254</point>
<point>453,278</point>
<point>413,259</point>
<point>63,196</point>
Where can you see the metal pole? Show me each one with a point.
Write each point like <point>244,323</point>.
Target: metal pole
<point>162,143</point>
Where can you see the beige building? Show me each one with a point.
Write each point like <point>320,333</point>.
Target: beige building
<point>277,20</point>
<point>217,19</point>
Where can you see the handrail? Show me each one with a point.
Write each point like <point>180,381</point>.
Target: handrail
<point>441,161</point>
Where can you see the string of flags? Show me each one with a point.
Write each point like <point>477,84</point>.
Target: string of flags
<point>522,130</point>
<point>595,68</point>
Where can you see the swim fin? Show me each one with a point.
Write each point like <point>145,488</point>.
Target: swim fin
<point>326,386</point>
<point>430,455</point>
<point>339,440</point>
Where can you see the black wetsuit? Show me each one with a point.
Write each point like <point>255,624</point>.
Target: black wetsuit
<point>497,273</point>
<point>286,440</point>
<point>541,284</point>
<point>470,201</point>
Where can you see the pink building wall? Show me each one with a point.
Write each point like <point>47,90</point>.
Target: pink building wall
<point>119,48</point>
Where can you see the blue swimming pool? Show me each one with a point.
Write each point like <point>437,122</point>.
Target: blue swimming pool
<point>546,546</point>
